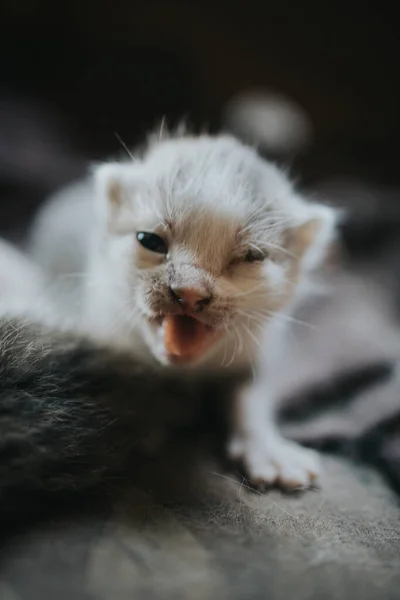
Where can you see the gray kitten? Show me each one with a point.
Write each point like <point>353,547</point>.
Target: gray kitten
<point>73,414</point>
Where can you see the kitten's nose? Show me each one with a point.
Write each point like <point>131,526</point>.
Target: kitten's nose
<point>190,298</point>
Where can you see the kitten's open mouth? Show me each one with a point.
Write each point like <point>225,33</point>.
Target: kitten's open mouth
<point>186,339</point>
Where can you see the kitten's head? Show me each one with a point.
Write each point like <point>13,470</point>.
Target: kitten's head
<point>209,241</point>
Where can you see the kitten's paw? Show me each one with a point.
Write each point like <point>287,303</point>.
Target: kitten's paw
<point>276,461</point>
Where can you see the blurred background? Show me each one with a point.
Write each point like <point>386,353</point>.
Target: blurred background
<point>72,75</point>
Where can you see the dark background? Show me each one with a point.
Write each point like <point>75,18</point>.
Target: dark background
<point>73,73</point>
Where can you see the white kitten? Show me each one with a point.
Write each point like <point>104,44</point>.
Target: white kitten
<point>190,255</point>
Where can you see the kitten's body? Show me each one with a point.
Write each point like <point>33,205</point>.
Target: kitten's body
<point>74,414</point>
<point>235,232</point>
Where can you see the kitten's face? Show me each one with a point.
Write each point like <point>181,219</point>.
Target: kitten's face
<point>205,256</point>
<point>206,267</point>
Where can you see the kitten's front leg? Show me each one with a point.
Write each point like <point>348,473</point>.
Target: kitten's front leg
<point>268,458</point>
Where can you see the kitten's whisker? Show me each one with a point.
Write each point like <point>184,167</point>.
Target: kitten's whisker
<point>125,147</point>
<point>225,347</point>
<point>261,285</point>
<point>161,128</point>
<point>259,321</point>
<point>281,249</point>
<point>234,349</point>
<point>290,319</point>
<point>240,338</point>
<point>255,340</point>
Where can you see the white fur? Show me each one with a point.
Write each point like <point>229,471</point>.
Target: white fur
<point>22,287</point>
<point>211,199</point>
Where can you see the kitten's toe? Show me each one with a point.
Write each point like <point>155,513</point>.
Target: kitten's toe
<point>236,448</point>
<point>261,475</point>
<point>277,462</point>
<point>294,477</point>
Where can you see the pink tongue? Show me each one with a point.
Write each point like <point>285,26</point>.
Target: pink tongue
<point>184,337</point>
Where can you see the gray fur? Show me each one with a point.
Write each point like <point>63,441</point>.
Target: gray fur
<point>72,413</point>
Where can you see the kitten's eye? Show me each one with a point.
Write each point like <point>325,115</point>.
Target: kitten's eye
<point>255,256</point>
<point>152,242</point>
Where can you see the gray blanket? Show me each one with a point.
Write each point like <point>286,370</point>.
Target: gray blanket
<point>191,529</point>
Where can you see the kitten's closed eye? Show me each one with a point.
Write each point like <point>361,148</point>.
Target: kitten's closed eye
<point>253,255</point>
<point>152,242</point>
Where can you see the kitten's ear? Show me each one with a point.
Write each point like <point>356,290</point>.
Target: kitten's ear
<point>114,196</point>
<point>311,240</point>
